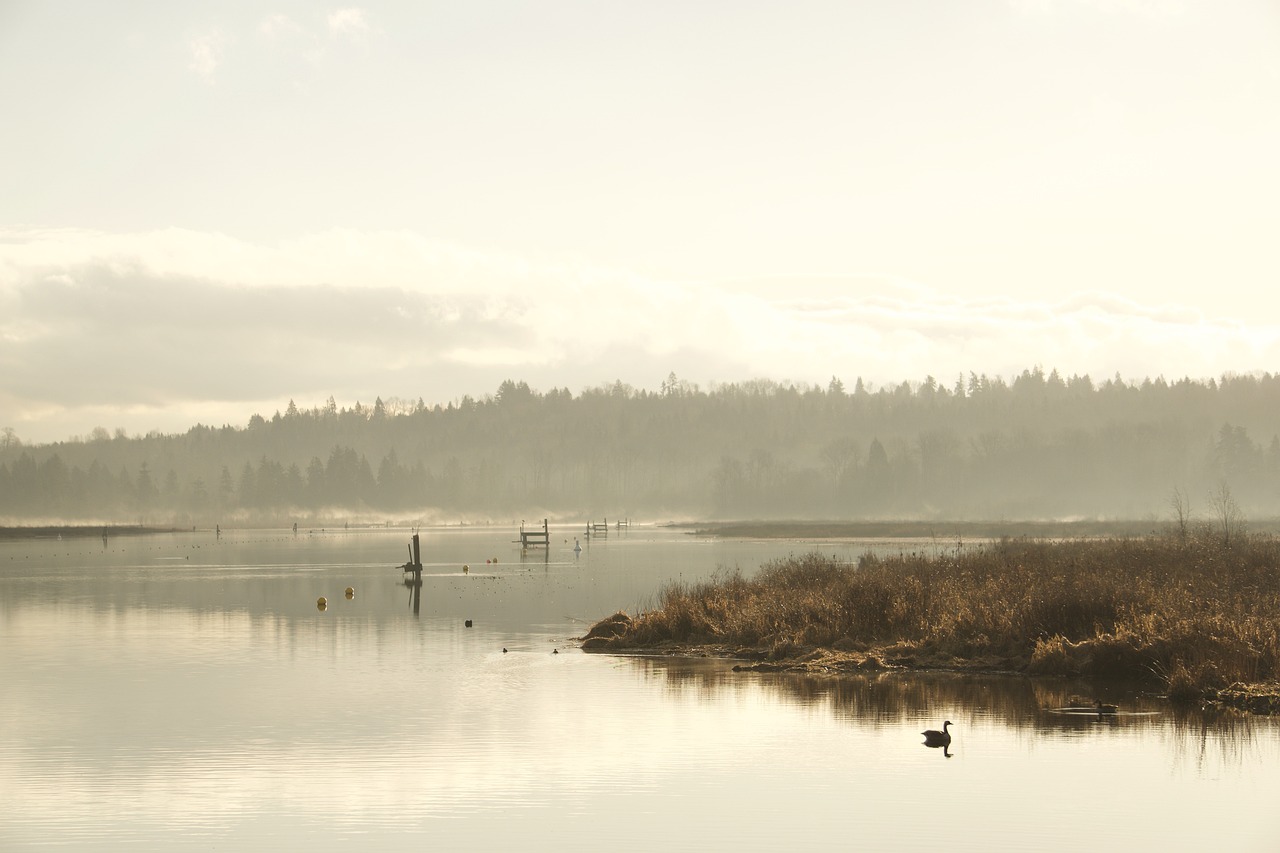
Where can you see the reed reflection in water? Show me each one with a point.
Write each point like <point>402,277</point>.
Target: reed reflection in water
<point>1152,773</point>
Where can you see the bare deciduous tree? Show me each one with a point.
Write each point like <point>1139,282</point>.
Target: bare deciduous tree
<point>1227,514</point>
<point>1181,506</point>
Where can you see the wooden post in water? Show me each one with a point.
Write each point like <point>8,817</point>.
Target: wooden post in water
<point>415,566</point>
<point>415,558</point>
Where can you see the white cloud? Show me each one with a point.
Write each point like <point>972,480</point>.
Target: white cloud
<point>1031,7</point>
<point>187,323</point>
<point>205,54</point>
<point>348,22</point>
<point>1153,9</point>
<point>278,26</point>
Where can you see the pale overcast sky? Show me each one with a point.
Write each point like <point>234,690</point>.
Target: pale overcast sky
<point>208,209</point>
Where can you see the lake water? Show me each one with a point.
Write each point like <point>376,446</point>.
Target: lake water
<point>181,692</point>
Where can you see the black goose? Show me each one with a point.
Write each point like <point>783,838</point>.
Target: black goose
<point>933,737</point>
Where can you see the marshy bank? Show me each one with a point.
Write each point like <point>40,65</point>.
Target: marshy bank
<point>1197,616</point>
<point>71,531</point>
<point>947,531</point>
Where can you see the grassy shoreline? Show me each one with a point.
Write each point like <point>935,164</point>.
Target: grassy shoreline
<point>77,531</point>
<point>1196,617</point>
<point>943,531</point>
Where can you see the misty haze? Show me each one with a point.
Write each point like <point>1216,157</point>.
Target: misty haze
<point>1038,447</point>
<point>685,426</point>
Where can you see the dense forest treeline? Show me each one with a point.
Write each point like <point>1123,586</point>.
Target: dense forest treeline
<point>1035,446</point>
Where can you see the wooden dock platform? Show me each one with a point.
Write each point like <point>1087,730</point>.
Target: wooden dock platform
<point>534,538</point>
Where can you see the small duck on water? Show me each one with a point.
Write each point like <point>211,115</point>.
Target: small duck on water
<point>933,737</point>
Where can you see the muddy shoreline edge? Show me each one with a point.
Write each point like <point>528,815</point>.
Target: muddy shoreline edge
<point>1261,699</point>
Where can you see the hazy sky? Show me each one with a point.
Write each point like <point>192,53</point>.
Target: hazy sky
<point>209,209</point>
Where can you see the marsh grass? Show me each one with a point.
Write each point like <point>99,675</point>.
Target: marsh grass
<point>1195,613</point>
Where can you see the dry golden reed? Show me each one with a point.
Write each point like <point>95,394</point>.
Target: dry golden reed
<point>1197,614</point>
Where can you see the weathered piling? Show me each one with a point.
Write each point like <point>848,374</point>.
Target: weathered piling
<point>415,558</point>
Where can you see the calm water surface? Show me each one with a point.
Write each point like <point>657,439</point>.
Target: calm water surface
<point>181,692</point>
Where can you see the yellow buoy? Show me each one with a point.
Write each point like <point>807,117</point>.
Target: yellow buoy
<point>322,602</point>
<point>466,569</point>
<point>351,592</point>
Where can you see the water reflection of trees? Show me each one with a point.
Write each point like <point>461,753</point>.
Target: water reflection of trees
<point>1045,706</point>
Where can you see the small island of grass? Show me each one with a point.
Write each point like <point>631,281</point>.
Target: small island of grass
<point>1198,614</point>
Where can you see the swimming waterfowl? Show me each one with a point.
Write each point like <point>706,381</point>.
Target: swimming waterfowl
<point>933,737</point>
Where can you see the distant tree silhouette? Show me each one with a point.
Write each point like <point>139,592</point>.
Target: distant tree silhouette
<point>1041,443</point>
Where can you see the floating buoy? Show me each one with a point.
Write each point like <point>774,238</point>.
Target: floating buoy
<point>322,602</point>
<point>495,561</point>
<point>468,623</point>
<point>487,562</point>
<point>466,569</point>
<point>504,650</point>
<point>351,592</point>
